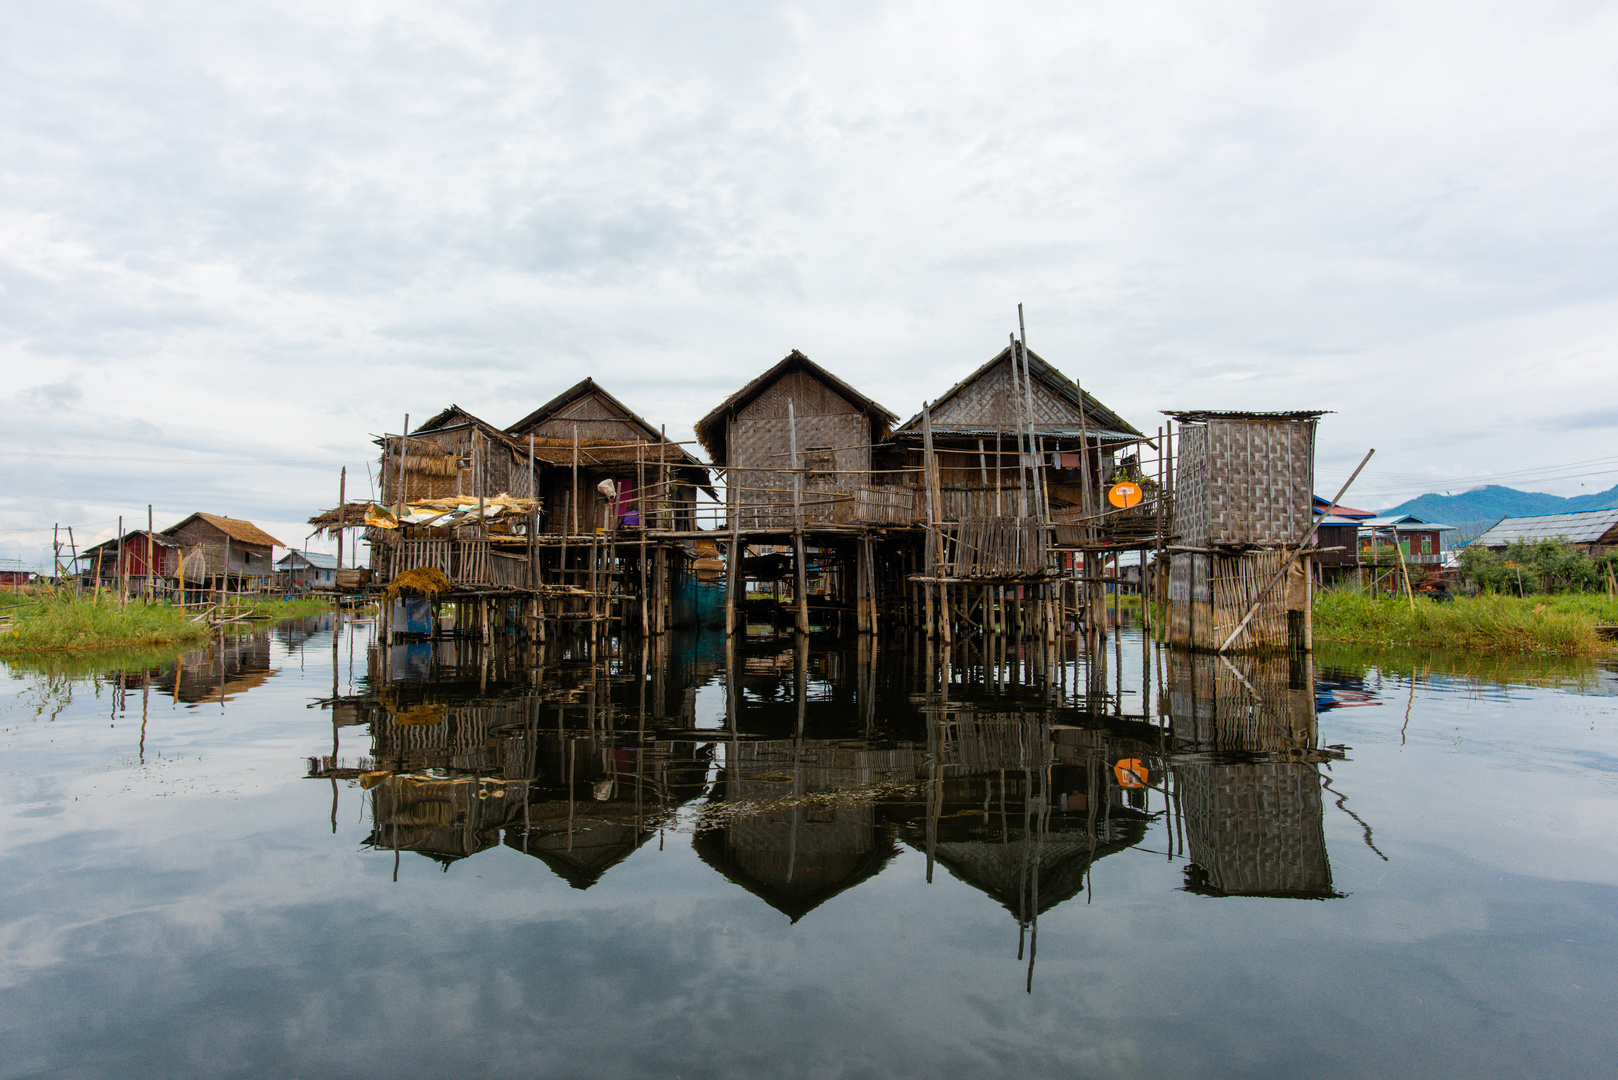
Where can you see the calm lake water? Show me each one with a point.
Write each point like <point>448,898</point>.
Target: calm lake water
<point>299,855</point>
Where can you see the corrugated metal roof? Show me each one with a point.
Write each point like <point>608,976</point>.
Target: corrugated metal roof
<point>1582,528</point>
<point>1039,429</point>
<point>315,559</point>
<point>1193,415</point>
<point>1403,523</point>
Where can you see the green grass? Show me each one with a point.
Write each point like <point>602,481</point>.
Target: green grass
<point>278,609</point>
<point>1562,625</point>
<point>66,624</point>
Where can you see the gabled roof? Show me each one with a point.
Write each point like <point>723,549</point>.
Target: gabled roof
<point>1322,504</point>
<point>1587,527</point>
<point>1192,416</point>
<point>1403,523</point>
<point>1105,421</point>
<point>235,528</point>
<point>588,387</point>
<point>711,431</point>
<point>454,417</point>
<point>157,538</point>
<point>315,559</point>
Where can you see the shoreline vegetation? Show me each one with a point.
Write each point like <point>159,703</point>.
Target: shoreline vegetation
<point>1539,624</point>
<point>1561,624</point>
<point>31,625</point>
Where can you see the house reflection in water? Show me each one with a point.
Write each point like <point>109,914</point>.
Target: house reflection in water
<point>1025,806</point>
<point>1016,775</point>
<point>1248,778</point>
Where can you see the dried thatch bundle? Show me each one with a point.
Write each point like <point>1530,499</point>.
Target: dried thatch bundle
<point>428,581</point>
<point>350,515</point>
<point>423,457</point>
<point>418,715</point>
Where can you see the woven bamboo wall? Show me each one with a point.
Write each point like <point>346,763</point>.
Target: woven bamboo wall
<point>462,461</point>
<point>596,420</point>
<point>1244,481</point>
<point>829,428</point>
<point>1209,595</point>
<point>1255,827</point>
<point>995,401</point>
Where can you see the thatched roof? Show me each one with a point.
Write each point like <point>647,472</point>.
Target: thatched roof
<point>348,516</point>
<point>711,428</point>
<point>1099,417</point>
<point>597,451</point>
<point>235,528</point>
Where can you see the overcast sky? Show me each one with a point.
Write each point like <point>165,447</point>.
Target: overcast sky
<point>244,232</point>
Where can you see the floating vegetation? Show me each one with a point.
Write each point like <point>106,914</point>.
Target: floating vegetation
<point>719,814</point>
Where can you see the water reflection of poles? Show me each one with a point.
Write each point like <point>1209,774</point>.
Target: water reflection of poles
<point>336,629</point>
<point>800,665</point>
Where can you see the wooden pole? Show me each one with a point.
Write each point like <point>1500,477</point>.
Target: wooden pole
<point>930,567</point>
<point>399,494</point>
<point>802,590</point>
<point>74,549</point>
<point>1022,460</point>
<point>342,516</point>
<point>120,572</point>
<point>151,586</point>
<point>1404,569</point>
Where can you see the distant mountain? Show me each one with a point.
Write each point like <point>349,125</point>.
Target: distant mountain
<point>1489,504</point>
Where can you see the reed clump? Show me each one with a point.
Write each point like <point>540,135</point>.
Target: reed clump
<point>75,624</point>
<point>1564,625</point>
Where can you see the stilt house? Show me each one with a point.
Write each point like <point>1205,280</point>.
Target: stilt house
<point>1020,441</point>
<point>446,463</point>
<point>238,553</point>
<point>797,432</point>
<point>1243,503</point>
<point>655,481</point>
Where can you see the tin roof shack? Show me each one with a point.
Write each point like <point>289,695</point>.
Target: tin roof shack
<point>979,429</point>
<point>237,555</point>
<point>1242,506</point>
<point>655,481</point>
<point>305,570</point>
<point>1594,532</point>
<point>1338,541</point>
<point>1384,541</point>
<point>150,563</point>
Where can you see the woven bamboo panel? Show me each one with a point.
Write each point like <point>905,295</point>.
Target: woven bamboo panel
<point>834,454</point>
<point>994,400</point>
<point>1241,702</point>
<point>995,548</point>
<point>1237,582</point>
<point>885,504</point>
<point>1256,829</point>
<point>1245,481</point>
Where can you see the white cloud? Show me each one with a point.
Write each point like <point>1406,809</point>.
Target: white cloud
<point>282,228</point>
